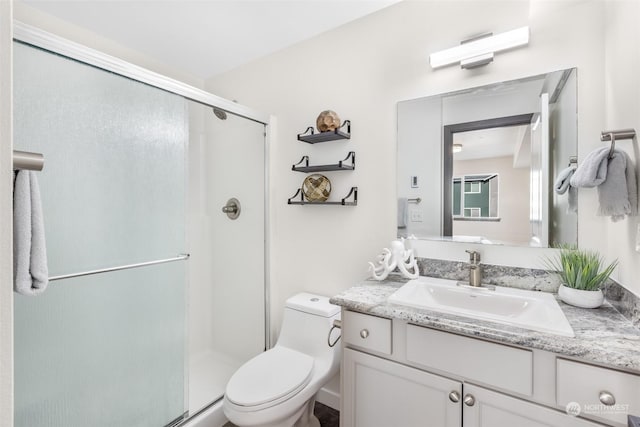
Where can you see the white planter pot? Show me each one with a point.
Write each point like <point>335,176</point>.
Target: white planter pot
<point>580,298</point>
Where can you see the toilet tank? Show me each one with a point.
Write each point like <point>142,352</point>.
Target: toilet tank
<point>306,323</point>
<point>312,304</point>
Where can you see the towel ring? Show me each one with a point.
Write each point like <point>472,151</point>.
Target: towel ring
<point>613,144</point>
<point>337,324</point>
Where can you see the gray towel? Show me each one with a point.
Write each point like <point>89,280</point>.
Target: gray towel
<point>573,200</point>
<point>618,194</point>
<point>563,184</point>
<point>615,178</point>
<point>562,180</point>
<point>593,169</point>
<point>30,272</point>
<point>403,208</point>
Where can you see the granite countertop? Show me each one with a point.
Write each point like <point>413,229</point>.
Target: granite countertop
<point>602,336</point>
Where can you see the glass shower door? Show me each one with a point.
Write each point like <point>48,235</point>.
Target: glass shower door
<point>106,349</point>
<point>227,267</point>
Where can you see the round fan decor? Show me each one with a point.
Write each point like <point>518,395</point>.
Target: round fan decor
<point>316,188</point>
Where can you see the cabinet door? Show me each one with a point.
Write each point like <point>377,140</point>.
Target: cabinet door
<point>381,393</point>
<point>491,409</point>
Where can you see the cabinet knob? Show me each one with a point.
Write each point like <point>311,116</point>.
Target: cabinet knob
<point>469,400</point>
<point>454,396</point>
<point>364,333</point>
<point>607,398</point>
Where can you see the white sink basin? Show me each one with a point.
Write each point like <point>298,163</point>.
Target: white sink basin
<point>538,311</point>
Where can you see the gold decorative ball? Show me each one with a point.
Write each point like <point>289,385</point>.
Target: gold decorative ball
<point>316,188</point>
<point>327,121</point>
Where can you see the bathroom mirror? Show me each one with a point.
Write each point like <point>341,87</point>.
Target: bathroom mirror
<point>479,165</point>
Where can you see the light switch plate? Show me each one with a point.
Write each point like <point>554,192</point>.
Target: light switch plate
<point>416,216</point>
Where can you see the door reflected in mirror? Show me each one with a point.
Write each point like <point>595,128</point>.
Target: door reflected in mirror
<point>491,183</point>
<point>482,162</point>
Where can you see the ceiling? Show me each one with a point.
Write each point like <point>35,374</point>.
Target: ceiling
<point>208,37</point>
<point>489,143</point>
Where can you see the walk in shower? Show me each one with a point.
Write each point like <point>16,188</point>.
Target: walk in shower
<point>135,173</point>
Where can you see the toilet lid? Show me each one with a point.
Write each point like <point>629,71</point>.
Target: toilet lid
<point>270,376</point>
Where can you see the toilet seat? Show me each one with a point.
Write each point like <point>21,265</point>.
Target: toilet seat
<point>269,378</point>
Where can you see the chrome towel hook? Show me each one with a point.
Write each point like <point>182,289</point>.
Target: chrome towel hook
<point>613,144</point>
<point>613,135</point>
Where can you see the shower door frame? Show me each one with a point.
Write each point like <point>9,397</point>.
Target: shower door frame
<point>58,45</point>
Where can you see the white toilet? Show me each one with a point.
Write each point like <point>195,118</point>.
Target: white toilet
<point>278,387</point>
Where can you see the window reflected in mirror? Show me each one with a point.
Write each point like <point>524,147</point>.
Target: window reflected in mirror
<point>479,200</point>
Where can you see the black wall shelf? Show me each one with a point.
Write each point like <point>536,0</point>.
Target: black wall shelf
<point>340,166</point>
<point>343,202</point>
<point>309,136</point>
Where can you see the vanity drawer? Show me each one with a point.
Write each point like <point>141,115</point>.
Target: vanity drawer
<point>368,332</point>
<point>588,386</point>
<point>498,365</point>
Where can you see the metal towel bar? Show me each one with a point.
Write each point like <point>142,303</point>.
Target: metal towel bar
<point>122,267</point>
<point>605,135</point>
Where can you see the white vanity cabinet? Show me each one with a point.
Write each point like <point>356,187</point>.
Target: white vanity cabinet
<point>381,393</point>
<point>396,374</point>
<point>488,408</point>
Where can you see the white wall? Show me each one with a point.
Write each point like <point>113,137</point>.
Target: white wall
<point>361,70</point>
<point>6,217</point>
<point>513,201</point>
<point>622,82</point>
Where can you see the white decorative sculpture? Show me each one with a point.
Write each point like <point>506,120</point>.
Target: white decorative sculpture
<point>396,257</point>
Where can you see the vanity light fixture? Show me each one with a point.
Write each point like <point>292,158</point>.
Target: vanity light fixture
<point>456,148</point>
<point>479,50</point>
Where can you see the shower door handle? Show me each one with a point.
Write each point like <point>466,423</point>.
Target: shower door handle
<point>232,208</point>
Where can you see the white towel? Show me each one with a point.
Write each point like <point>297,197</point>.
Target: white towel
<point>615,178</point>
<point>563,183</point>
<point>30,272</point>
<point>403,208</point>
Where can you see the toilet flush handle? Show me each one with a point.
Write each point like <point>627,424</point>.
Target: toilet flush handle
<point>337,324</point>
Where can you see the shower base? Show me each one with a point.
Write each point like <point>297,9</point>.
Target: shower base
<point>208,376</point>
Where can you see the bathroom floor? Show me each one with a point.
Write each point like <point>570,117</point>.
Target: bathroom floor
<point>328,417</point>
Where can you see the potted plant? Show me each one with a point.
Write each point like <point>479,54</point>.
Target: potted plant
<point>582,276</point>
